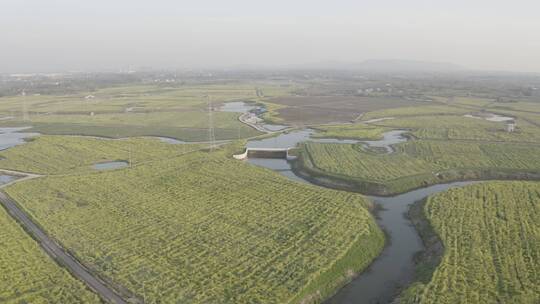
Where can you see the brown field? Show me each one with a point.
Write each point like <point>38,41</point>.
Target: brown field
<point>327,109</point>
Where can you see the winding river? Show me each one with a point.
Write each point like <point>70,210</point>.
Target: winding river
<point>394,268</point>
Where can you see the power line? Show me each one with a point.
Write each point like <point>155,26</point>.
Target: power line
<point>211,133</point>
<point>25,107</point>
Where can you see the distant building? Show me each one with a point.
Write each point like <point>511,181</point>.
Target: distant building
<point>511,126</point>
<point>89,97</point>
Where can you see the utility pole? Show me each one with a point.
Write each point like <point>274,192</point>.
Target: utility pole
<point>130,155</point>
<point>211,134</point>
<point>25,107</point>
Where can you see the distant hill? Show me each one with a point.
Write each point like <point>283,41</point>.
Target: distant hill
<point>407,65</point>
<point>387,66</point>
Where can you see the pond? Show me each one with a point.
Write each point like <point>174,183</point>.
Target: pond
<point>110,165</point>
<point>11,137</point>
<point>238,106</point>
<point>293,138</point>
<point>245,107</point>
<point>5,179</point>
<point>490,117</point>
<point>172,141</point>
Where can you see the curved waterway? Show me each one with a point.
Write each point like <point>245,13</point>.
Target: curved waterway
<point>11,137</point>
<point>293,138</point>
<point>394,269</point>
<point>256,109</point>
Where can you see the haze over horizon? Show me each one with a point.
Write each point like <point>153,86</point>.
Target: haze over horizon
<point>60,35</point>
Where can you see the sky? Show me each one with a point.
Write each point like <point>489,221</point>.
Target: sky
<point>67,35</point>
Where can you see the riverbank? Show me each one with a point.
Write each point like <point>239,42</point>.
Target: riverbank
<point>430,257</point>
<point>353,263</point>
<point>485,233</point>
<point>303,166</point>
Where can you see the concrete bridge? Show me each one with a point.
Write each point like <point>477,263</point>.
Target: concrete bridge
<point>265,153</point>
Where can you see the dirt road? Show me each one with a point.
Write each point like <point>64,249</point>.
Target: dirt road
<point>58,254</point>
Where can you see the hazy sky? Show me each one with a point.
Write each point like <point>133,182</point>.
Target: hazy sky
<point>57,35</point>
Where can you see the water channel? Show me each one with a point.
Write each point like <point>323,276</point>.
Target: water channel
<point>390,272</point>
<point>394,268</point>
<point>11,137</point>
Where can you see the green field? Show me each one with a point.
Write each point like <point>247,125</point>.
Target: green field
<point>68,154</point>
<point>350,131</point>
<point>200,227</point>
<point>491,238</point>
<point>28,275</point>
<point>451,127</point>
<point>415,111</point>
<point>178,112</point>
<point>418,163</point>
<point>442,148</point>
<point>185,125</point>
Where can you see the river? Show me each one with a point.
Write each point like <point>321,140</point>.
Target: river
<point>11,137</point>
<point>394,268</point>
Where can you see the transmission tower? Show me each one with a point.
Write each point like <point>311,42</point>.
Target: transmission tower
<point>25,107</point>
<point>211,134</point>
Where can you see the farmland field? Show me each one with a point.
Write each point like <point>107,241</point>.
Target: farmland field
<point>203,228</point>
<point>328,109</point>
<point>491,238</point>
<point>451,127</point>
<point>419,163</point>
<point>68,154</point>
<point>351,131</point>
<point>413,111</point>
<point>185,125</point>
<point>177,112</point>
<point>28,275</point>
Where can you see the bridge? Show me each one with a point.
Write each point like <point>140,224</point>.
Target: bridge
<point>265,153</point>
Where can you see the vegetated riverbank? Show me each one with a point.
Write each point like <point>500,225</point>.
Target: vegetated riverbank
<point>429,258</point>
<point>408,183</point>
<point>306,167</point>
<point>481,245</point>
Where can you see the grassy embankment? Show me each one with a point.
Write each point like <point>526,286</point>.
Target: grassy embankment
<point>491,238</point>
<point>28,275</point>
<point>197,228</point>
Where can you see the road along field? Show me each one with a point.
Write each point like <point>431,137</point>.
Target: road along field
<point>491,238</point>
<point>28,275</point>
<point>204,228</point>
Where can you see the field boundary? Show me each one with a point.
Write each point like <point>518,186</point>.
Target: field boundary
<point>412,182</point>
<point>59,254</point>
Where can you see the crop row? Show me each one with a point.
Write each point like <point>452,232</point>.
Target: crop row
<point>203,228</point>
<point>419,157</point>
<point>491,238</point>
<point>27,275</point>
<point>62,154</point>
